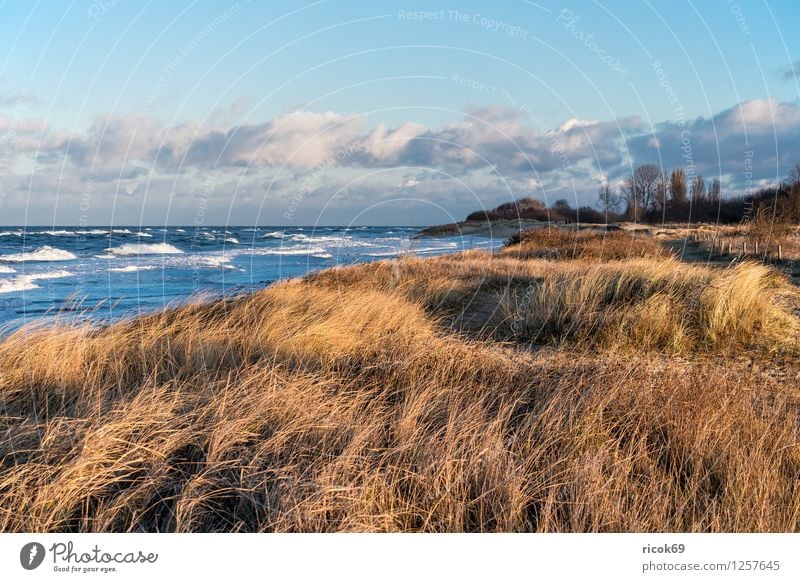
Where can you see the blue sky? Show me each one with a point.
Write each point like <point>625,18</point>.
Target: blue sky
<point>134,106</point>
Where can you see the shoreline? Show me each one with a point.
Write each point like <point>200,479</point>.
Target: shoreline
<point>505,228</point>
<point>447,393</point>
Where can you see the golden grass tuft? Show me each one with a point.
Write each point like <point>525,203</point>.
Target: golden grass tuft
<point>647,305</point>
<point>556,243</point>
<point>354,400</point>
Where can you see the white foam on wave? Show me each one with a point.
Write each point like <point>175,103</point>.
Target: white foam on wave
<point>274,234</point>
<point>232,240</point>
<point>144,234</point>
<point>132,268</point>
<point>175,260</point>
<point>288,251</point>
<point>56,232</point>
<point>412,250</point>
<point>334,238</point>
<point>218,261</point>
<point>16,284</point>
<point>386,254</point>
<point>45,253</point>
<point>4,269</point>
<point>28,282</point>
<point>144,249</point>
<point>322,256</point>
<point>332,241</point>
<point>201,261</point>
<point>94,231</point>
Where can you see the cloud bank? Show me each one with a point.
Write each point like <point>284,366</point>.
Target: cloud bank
<point>311,159</point>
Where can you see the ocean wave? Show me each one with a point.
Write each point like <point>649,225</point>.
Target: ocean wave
<point>132,268</point>
<point>4,269</point>
<point>28,282</point>
<point>332,241</point>
<point>220,261</point>
<point>287,251</point>
<point>274,234</point>
<point>200,261</point>
<point>405,250</point>
<point>94,231</point>
<point>45,253</point>
<point>16,284</point>
<point>322,256</point>
<point>386,254</point>
<point>232,240</point>
<point>56,232</point>
<point>144,249</point>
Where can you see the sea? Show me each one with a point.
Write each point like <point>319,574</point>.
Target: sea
<point>106,274</point>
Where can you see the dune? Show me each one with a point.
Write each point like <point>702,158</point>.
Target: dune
<point>472,392</point>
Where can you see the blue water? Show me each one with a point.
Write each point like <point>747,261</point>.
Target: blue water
<point>106,274</point>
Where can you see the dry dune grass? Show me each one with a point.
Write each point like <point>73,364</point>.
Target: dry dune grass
<point>637,304</point>
<point>562,244</point>
<point>643,304</point>
<point>346,402</point>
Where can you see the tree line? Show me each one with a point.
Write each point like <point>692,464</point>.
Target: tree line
<point>652,196</point>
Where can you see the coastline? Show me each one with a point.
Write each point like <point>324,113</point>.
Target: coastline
<point>506,228</point>
<point>463,392</point>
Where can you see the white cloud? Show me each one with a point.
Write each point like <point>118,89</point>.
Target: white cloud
<point>487,149</point>
<point>761,136</point>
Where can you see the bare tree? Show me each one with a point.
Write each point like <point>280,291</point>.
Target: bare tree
<point>607,200</point>
<point>794,175</point>
<point>677,189</point>
<point>714,192</point>
<point>698,190</point>
<point>627,193</point>
<point>646,179</point>
<point>662,188</point>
